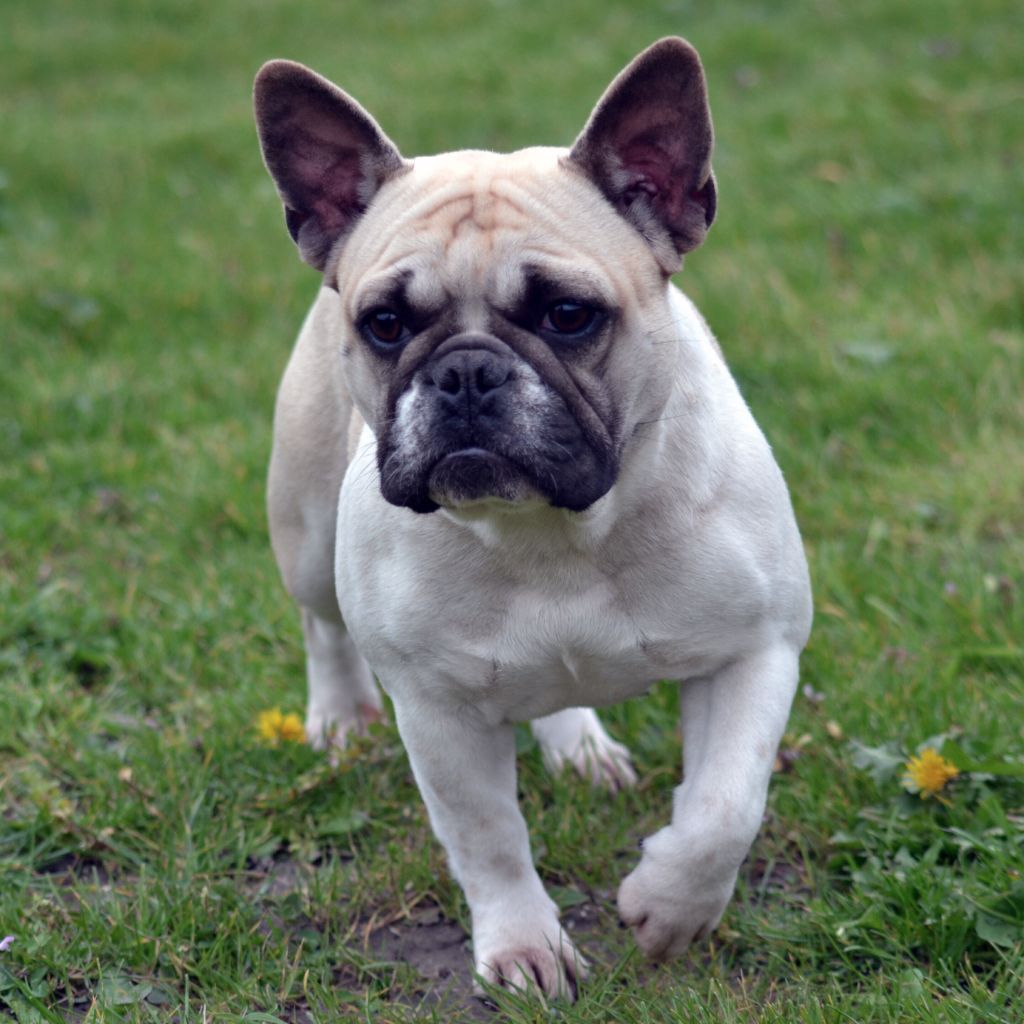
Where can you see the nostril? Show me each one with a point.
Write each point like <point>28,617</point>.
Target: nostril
<point>449,380</point>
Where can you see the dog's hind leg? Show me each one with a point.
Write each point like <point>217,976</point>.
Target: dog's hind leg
<point>343,697</point>
<point>314,428</point>
<point>576,737</point>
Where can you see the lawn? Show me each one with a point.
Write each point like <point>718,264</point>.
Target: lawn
<point>159,860</point>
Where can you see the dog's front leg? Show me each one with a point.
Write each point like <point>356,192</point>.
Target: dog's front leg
<point>732,724</point>
<point>466,772</point>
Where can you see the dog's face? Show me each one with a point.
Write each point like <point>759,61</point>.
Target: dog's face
<point>490,339</point>
<point>501,313</point>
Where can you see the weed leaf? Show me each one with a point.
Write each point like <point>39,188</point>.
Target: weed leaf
<point>881,763</point>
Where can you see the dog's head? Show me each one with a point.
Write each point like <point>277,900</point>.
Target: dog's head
<point>501,314</point>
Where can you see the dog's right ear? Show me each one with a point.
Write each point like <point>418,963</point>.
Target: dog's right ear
<point>326,155</point>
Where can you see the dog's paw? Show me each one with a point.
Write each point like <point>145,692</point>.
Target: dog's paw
<point>548,965</point>
<point>671,903</point>
<point>330,728</point>
<point>603,763</point>
<point>576,738</point>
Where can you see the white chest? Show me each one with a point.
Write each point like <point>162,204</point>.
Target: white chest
<point>526,652</point>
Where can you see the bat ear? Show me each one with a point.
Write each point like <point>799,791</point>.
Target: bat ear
<point>327,156</point>
<point>647,147</point>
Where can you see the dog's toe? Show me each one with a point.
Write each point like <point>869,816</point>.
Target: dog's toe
<point>327,729</point>
<point>613,770</point>
<point>575,737</point>
<point>553,974</point>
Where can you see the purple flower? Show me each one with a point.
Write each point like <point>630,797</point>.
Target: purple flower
<point>5,943</point>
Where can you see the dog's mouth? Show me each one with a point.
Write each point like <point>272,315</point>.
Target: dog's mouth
<point>475,474</point>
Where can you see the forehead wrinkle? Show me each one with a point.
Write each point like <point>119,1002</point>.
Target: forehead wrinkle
<point>388,253</point>
<point>541,203</point>
<point>547,202</point>
<point>453,238</point>
<point>482,242</point>
<point>473,216</point>
<point>406,208</point>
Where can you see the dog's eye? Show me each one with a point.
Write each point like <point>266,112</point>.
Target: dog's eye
<point>570,319</point>
<point>385,327</point>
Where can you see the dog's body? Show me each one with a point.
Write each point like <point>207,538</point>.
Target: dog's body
<point>551,491</point>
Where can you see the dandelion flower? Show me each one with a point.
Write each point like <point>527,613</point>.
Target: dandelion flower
<point>274,726</point>
<point>292,728</point>
<point>928,773</point>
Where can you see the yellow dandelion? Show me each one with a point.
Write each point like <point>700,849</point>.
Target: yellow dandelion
<point>928,773</point>
<point>269,724</point>
<point>274,726</point>
<point>292,728</point>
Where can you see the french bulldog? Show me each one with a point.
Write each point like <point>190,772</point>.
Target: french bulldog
<point>512,479</point>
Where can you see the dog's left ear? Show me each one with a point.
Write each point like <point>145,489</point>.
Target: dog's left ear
<point>326,155</point>
<point>648,144</point>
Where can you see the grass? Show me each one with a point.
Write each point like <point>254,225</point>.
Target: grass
<point>157,862</point>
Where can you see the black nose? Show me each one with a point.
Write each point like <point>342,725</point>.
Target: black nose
<point>470,373</point>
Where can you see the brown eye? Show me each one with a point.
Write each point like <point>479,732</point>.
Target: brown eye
<point>385,326</point>
<point>569,318</point>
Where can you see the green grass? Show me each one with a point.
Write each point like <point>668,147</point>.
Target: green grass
<point>156,861</point>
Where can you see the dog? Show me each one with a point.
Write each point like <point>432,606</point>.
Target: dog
<point>513,479</point>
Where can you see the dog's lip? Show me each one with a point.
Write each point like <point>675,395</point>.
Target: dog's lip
<point>470,455</point>
<point>472,452</point>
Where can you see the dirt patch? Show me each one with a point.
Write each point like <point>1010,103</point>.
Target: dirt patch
<point>785,873</point>
<point>439,951</point>
<point>434,947</point>
<point>278,876</point>
<point>74,868</point>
